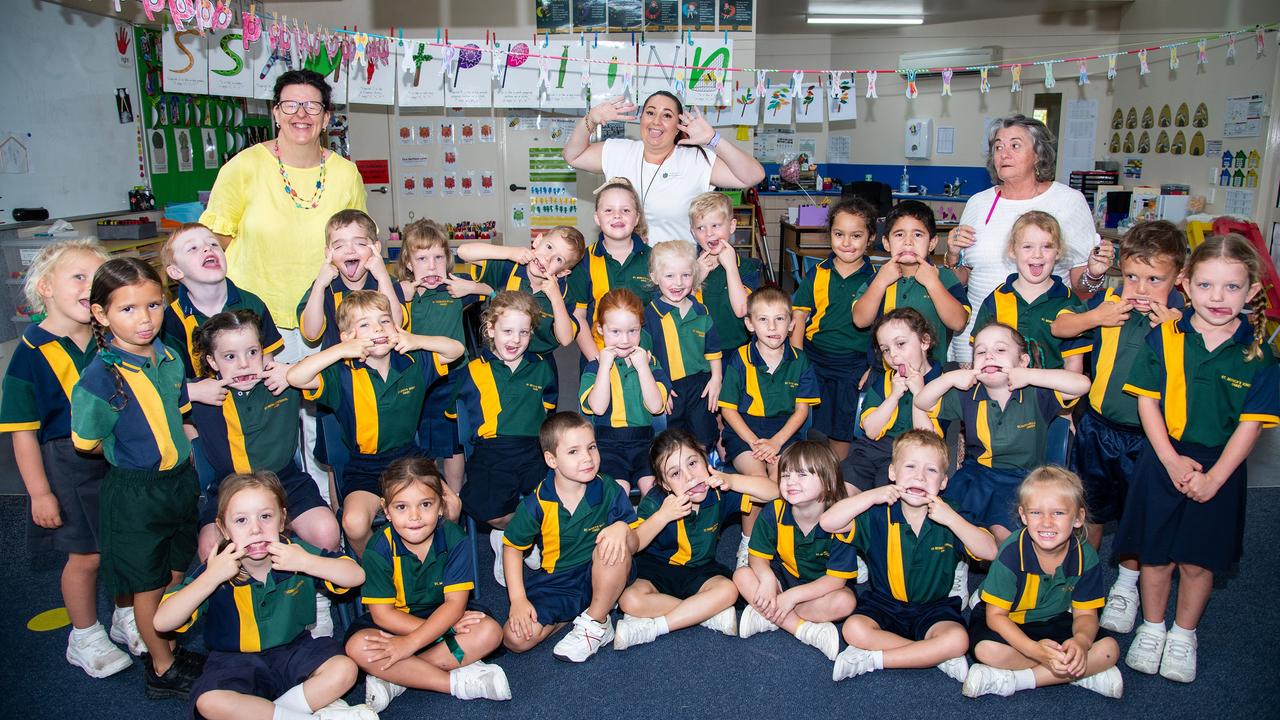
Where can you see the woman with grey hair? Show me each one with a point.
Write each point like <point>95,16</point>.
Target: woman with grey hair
<point>1021,160</point>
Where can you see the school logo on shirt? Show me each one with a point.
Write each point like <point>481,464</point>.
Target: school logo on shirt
<point>409,390</point>
<point>593,529</point>
<point>1233,382</point>
<point>274,404</point>
<point>713,528</point>
<point>792,383</point>
<point>1028,425</point>
<point>296,588</point>
<point>945,547</point>
<point>535,388</point>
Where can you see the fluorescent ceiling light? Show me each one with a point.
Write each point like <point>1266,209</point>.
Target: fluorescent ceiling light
<point>863,20</point>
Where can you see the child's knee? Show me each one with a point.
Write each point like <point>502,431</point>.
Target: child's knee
<point>84,562</point>
<point>513,642</point>
<point>744,580</point>
<point>843,602</point>
<point>1108,649</point>
<point>987,652</point>
<point>356,523</point>
<point>341,669</point>
<point>1194,572</point>
<point>489,634</point>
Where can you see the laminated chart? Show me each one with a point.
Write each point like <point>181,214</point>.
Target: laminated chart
<point>552,190</point>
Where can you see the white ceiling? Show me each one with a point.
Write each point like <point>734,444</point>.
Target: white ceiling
<point>786,17</point>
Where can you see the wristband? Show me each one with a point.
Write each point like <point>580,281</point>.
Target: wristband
<point>714,141</point>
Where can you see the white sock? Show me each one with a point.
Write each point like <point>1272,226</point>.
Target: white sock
<point>1128,578</point>
<point>287,714</point>
<point>1156,626</point>
<point>1183,632</point>
<point>293,701</point>
<point>662,625</point>
<point>84,633</point>
<point>877,659</point>
<point>1024,680</point>
<point>745,541</point>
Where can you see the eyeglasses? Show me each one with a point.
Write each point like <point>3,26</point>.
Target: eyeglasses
<point>291,107</point>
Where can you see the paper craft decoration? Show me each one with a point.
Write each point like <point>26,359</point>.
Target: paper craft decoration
<point>564,87</point>
<point>469,80</point>
<point>984,83</point>
<point>705,86</point>
<point>1129,144</point>
<point>1049,82</point>
<point>1183,116</point>
<point>1231,49</point>
<point>871,85</point>
<point>517,82</point>
<point>616,76</point>
<point>1117,120</point>
<point>268,64</point>
<point>843,104</point>
<point>1173,57</point>
<point>1166,117</point>
<point>1202,55</point>
<point>1114,146</point>
<point>912,91</point>
<point>1143,68</point>
<point>1016,75</point>
<point>419,79</point>
<point>1131,119</point>
<point>1179,146</point>
<point>185,62</point>
<point>1162,142</point>
<point>1197,145</point>
<point>809,103</point>
<point>652,79</point>
<point>1144,143</point>
<point>229,70</point>
<point>374,80</point>
<point>1148,118</point>
<point>724,115</point>
<point>946,81</point>
<point>777,105</point>
<point>748,104</point>
<point>1111,67</point>
<point>1083,69</point>
<point>1201,118</point>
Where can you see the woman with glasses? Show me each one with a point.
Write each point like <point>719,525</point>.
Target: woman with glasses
<point>270,204</point>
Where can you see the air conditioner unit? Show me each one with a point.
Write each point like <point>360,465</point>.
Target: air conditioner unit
<point>930,63</point>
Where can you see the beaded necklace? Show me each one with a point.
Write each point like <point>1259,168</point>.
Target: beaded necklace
<point>298,203</point>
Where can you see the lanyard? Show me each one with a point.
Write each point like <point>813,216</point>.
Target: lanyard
<point>993,209</point>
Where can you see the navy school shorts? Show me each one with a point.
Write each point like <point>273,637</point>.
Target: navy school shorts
<point>907,620</point>
<point>563,595</point>
<point>1104,456</point>
<point>267,674</point>
<point>765,427</point>
<point>1056,628</point>
<point>988,495</point>
<point>867,466</point>
<point>76,481</point>
<point>689,410</point>
<point>499,472</point>
<point>678,581</point>
<point>364,472</point>
<point>624,452</point>
<point>437,434</point>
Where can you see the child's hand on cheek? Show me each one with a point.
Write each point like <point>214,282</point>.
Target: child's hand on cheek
<point>329,271</point>
<point>224,564</point>
<point>964,378</point>
<point>355,348</point>
<point>675,507</point>
<point>1019,377</point>
<point>1161,314</point>
<point>274,376</point>
<point>1117,314</point>
<point>605,358</point>
<point>288,557</point>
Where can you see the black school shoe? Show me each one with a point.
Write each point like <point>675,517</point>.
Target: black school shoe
<point>174,684</point>
<point>191,661</point>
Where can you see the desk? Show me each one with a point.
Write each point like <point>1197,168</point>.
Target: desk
<point>814,242</point>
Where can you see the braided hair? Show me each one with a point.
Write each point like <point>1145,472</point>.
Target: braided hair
<point>111,276</point>
<point>1235,248</point>
<point>203,339</point>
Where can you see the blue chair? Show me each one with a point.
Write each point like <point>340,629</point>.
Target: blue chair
<point>809,262</point>
<point>1058,448</point>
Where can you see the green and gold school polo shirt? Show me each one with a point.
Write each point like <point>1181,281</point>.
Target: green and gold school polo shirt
<point>250,616</point>
<point>828,297</point>
<point>333,296</point>
<point>394,576</point>
<point>880,385</point>
<point>377,415</point>
<point>433,311</point>
<point>146,432</point>
<point>567,540</point>
<point>598,273</point>
<point>1008,438</point>
<point>182,318</point>
<point>805,557</point>
<point>1017,583</point>
<point>498,401</point>
<point>684,344</point>
<point>1033,319</point>
<point>626,399</point>
<point>909,568</point>
<point>1112,352</point>
<point>908,292</point>
<point>38,384</point>
<point>1182,374</point>
<point>714,293</point>
<point>506,275</point>
<point>252,430</point>
<point>751,389</point>
<point>691,540</point>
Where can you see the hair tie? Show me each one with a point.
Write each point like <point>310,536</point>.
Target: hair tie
<point>612,182</point>
<point>109,357</point>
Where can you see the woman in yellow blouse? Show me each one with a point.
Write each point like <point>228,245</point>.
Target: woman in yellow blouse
<point>270,203</point>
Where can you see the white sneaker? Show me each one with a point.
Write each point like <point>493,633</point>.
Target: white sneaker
<point>342,711</point>
<point>379,693</point>
<point>632,631</point>
<point>725,621</point>
<point>533,560</point>
<point>495,542</point>
<point>584,639</point>
<point>986,680</point>
<point>1178,661</point>
<point>863,575</point>
<point>960,585</point>
<point>479,681</point>
<point>96,654</point>
<point>753,622</point>
<point>1121,610</point>
<point>1145,650</point>
<point>124,631</point>
<point>852,662</point>
<point>324,619</point>
<point>740,560</point>
<point>821,635</point>
<point>956,668</point>
<point>1108,683</point>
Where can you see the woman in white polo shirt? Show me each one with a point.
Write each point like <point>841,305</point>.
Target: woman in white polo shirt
<point>678,156</point>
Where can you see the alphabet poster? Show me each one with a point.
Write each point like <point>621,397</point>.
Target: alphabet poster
<point>654,78</point>
<point>229,70</point>
<point>421,74</point>
<point>516,82</point>
<point>268,65</point>
<point>710,60</point>
<point>616,77</point>
<point>185,61</point>
<point>372,82</point>
<point>468,81</point>
<point>565,88</point>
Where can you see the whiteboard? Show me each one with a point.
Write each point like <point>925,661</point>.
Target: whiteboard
<point>59,72</point>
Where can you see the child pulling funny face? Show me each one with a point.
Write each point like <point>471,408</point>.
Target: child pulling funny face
<point>351,249</point>
<point>237,358</point>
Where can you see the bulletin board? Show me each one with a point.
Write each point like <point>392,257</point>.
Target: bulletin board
<point>62,74</point>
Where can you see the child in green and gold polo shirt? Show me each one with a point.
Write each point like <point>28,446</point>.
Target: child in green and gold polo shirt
<point>376,382</point>
<point>730,277</point>
<point>580,520</point>
<point>906,619</point>
<point>255,594</point>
